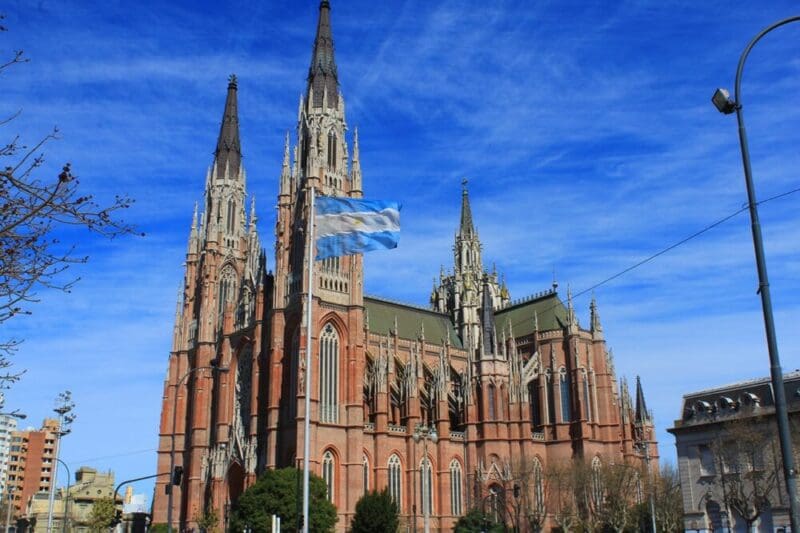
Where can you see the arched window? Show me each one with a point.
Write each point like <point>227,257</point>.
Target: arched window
<point>231,216</point>
<point>551,401</point>
<point>328,474</point>
<point>587,398</point>
<point>426,487</point>
<point>365,473</point>
<point>490,391</point>
<point>597,481</point>
<point>329,375</point>
<point>563,381</point>
<point>538,487</point>
<point>535,404</point>
<point>331,150</point>
<point>456,498</point>
<point>227,287</point>
<point>394,479</point>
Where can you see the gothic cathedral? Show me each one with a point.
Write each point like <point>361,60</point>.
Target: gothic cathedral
<point>441,404</point>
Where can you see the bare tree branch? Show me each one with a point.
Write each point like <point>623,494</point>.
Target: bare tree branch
<point>32,211</point>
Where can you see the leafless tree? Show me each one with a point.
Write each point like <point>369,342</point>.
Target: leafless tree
<point>747,460</point>
<point>563,484</point>
<point>668,502</point>
<point>33,210</point>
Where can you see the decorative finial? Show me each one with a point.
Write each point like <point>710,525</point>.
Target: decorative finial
<point>464,183</point>
<point>232,82</point>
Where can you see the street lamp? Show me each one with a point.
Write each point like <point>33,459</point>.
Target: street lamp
<point>66,496</point>
<point>724,104</point>
<point>644,446</point>
<point>64,407</point>
<point>213,365</point>
<point>426,433</point>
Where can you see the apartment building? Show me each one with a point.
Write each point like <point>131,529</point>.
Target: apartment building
<point>31,462</point>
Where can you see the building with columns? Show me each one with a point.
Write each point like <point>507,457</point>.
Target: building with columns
<point>503,383</point>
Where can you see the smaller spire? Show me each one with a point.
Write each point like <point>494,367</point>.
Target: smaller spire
<point>253,217</point>
<point>466,226</point>
<point>286,171</point>
<point>555,282</point>
<point>642,417</point>
<point>596,327</point>
<point>193,233</point>
<point>355,171</point>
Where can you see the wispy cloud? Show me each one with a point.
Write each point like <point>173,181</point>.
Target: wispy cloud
<point>585,129</point>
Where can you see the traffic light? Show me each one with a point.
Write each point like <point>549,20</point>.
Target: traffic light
<point>177,475</point>
<point>117,517</point>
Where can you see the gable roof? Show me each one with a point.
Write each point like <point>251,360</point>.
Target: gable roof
<point>547,308</point>
<point>410,319</point>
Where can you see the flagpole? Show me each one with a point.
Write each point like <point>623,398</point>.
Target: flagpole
<point>309,330</point>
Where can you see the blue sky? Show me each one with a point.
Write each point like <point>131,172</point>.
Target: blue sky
<point>585,129</point>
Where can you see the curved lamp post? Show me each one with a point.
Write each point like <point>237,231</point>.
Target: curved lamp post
<point>425,433</point>
<point>64,407</point>
<point>66,495</point>
<point>213,366</point>
<point>724,104</point>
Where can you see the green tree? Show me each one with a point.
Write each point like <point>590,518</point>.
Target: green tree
<point>474,522</point>
<point>375,512</point>
<point>102,514</point>
<point>279,492</point>
<point>208,521</point>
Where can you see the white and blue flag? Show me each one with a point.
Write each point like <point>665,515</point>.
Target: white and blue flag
<point>346,226</point>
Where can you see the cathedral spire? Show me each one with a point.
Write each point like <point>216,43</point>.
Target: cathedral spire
<point>228,155</point>
<point>355,171</point>
<point>642,416</point>
<point>466,227</point>
<point>322,76</point>
<point>286,171</point>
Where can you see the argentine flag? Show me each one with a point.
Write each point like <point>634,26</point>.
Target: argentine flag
<point>346,226</point>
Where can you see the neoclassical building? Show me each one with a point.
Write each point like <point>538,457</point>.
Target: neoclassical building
<point>502,383</point>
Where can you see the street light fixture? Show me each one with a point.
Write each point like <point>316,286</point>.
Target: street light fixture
<point>724,104</point>
<point>426,433</point>
<point>213,365</point>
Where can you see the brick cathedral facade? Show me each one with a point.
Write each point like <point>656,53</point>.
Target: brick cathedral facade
<point>502,383</point>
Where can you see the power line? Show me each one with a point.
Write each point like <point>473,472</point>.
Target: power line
<point>672,247</point>
<point>124,454</point>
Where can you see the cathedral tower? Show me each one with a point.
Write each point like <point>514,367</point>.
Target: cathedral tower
<point>210,405</point>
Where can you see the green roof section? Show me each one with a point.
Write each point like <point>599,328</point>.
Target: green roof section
<point>546,307</point>
<point>410,320</point>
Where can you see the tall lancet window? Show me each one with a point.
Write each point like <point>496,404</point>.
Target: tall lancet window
<point>231,219</point>
<point>365,472</point>
<point>227,287</point>
<point>551,401</point>
<point>426,488</point>
<point>563,385</point>
<point>329,375</point>
<point>587,398</point>
<point>394,479</point>
<point>328,473</point>
<point>331,150</point>
<point>456,499</point>
<point>490,392</point>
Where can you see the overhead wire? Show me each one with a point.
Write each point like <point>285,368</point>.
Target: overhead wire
<point>668,249</point>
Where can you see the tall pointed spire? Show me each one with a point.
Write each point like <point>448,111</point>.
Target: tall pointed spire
<point>641,416</point>
<point>466,227</point>
<point>322,76</point>
<point>228,155</point>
